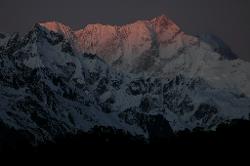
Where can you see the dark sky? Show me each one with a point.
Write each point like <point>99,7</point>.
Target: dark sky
<point>228,19</point>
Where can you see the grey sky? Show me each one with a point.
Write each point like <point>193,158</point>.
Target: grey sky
<point>228,19</point>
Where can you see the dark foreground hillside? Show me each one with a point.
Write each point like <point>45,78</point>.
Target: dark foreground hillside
<point>236,133</point>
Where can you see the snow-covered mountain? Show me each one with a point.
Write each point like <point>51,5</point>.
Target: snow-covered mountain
<point>145,78</point>
<point>159,47</point>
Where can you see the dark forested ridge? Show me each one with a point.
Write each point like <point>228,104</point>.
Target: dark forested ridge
<point>235,133</point>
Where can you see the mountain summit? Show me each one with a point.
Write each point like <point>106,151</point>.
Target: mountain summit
<point>115,42</point>
<point>156,46</point>
<point>146,78</point>
<point>129,44</point>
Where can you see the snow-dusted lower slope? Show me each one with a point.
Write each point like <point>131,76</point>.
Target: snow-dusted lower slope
<point>147,77</point>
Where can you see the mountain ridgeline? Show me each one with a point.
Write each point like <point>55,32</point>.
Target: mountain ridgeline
<point>143,81</point>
